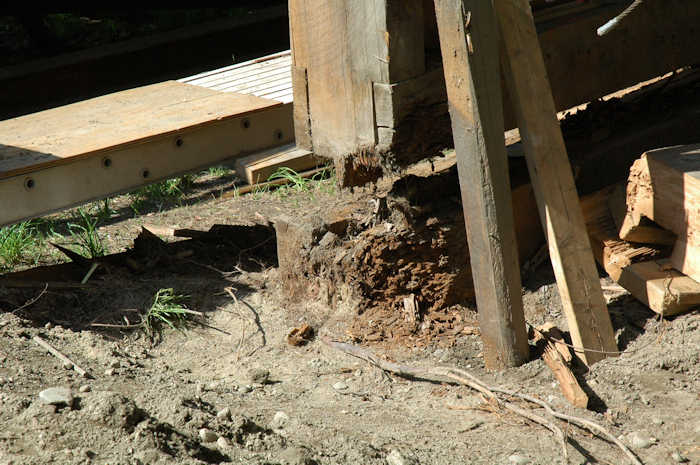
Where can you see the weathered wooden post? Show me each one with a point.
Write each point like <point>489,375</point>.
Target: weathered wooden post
<point>470,57</point>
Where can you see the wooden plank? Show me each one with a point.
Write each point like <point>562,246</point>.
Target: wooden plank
<point>652,280</point>
<point>260,166</point>
<point>470,58</point>
<point>552,179</point>
<point>115,121</point>
<point>59,183</point>
<point>664,187</point>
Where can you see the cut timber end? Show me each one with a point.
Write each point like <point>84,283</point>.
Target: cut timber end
<point>641,270</point>
<point>664,186</point>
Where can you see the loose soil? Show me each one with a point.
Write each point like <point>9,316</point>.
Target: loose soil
<point>149,398</point>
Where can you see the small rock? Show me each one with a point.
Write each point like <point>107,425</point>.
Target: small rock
<point>224,413</point>
<point>657,421</point>
<point>114,364</point>
<point>207,435</point>
<point>639,440</point>
<point>85,388</point>
<point>109,371</point>
<point>222,443</point>
<point>280,420</point>
<point>676,456</point>
<point>340,386</point>
<point>48,325</point>
<point>259,376</point>
<point>396,458</point>
<point>245,389</point>
<point>518,459</point>
<point>68,365</point>
<point>56,396</point>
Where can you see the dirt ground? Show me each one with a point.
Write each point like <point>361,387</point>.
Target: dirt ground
<point>274,403</point>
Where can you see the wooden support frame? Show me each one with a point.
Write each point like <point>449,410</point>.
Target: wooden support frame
<point>470,59</point>
<point>405,118</point>
<point>572,259</point>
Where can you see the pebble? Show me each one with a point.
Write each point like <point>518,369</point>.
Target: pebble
<point>114,364</point>
<point>280,420</point>
<point>48,325</point>
<point>207,435</point>
<point>68,365</point>
<point>340,386</point>
<point>223,443</point>
<point>639,440</point>
<point>56,396</point>
<point>245,389</point>
<point>396,458</point>
<point>657,421</point>
<point>518,459</point>
<point>678,457</point>
<point>224,413</point>
<point>109,371</point>
<point>85,388</point>
<point>259,376</point>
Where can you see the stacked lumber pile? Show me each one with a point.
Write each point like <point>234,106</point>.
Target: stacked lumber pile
<point>647,234</point>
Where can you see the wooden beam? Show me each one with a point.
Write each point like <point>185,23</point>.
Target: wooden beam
<point>553,182</point>
<point>88,150</point>
<point>259,166</point>
<point>470,57</point>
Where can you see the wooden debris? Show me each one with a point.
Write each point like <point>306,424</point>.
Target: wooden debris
<point>664,187</point>
<point>300,336</point>
<point>641,269</point>
<point>557,356</point>
<point>411,310</point>
<point>58,354</point>
<point>500,397</point>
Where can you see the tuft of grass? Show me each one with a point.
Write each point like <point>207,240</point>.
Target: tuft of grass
<point>85,235</point>
<point>167,309</point>
<point>17,242</point>
<point>168,191</point>
<point>219,171</point>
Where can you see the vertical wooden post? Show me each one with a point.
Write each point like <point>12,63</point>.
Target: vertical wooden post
<point>555,190</point>
<point>469,44</point>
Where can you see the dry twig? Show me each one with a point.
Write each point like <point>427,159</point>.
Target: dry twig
<point>489,392</point>
<point>58,354</point>
<point>31,301</point>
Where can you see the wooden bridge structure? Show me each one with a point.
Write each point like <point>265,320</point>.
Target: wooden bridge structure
<point>376,85</point>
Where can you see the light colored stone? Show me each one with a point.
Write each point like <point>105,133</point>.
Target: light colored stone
<point>280,420</point>
<point>640,441</point>
<point>516,459</point>
<point>207,435</point>
<point>56,396</point>
<point>85,388</point>
<point>222,443</point>
<point>114,364</point>
<point>677,457</point>
<point>109,371</point>
<point>340,386</point>
<point>396,458</point>
<point>245,389</point>
<point>224,413</point>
